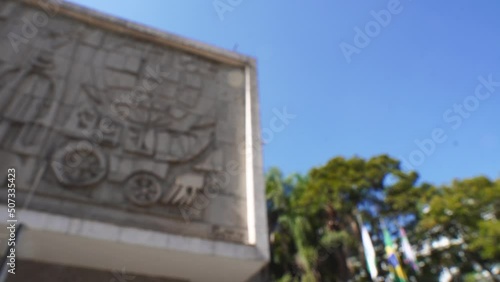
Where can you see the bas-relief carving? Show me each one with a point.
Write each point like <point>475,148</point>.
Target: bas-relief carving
<point>143,189</point>
<point>31,89</point>
<point>149,124</point>
<point>76,165</point>
<point>29,96</point>
<point>186,188</point>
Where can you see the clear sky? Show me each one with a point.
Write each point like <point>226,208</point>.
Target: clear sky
<point>415,78</point>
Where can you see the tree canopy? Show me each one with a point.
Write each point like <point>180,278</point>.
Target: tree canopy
<point>314,221</point>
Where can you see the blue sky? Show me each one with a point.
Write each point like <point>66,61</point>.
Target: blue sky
<point>394,91</point>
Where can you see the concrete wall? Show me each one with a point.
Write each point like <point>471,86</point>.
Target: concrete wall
<point>129,143</point>
<point>110,127</point>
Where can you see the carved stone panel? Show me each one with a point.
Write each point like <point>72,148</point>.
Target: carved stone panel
<point>127,125</point>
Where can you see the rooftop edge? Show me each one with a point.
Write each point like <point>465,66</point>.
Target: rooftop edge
<point>119,25</point>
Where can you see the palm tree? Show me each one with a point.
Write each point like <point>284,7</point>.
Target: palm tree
<point>293,258</point>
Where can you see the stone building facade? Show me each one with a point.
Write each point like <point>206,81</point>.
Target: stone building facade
<point>134,150</point>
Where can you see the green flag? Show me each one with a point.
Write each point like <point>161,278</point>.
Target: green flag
<point>392,257</point>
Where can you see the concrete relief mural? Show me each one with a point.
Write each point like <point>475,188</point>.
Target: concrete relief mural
<point>121,123</point>
<point>80,167</point>
<point>28,96</point>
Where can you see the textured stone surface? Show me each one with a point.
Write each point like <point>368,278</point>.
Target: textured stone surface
<point>121,124</point>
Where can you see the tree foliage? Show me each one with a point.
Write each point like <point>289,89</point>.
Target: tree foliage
<point>315,231</point>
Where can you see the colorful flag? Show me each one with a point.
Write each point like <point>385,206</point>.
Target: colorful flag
<point>370,255</point>
<point>392,257</point>
<point>408,252</point>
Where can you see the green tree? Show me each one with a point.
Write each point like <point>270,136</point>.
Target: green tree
<point>292,256</point>
<point>466,213</point>
<point>345,188</point>
<point>315,235</point>
<point>313,219</point>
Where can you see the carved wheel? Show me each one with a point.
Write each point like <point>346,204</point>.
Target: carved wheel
<point>143,189</point>
<point>75,165</point>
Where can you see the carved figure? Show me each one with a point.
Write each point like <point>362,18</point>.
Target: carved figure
<point>186,188</point>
